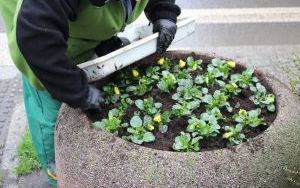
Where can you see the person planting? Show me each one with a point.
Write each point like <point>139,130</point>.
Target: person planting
<point>48,38</point>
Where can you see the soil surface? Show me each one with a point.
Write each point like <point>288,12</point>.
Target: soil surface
<point>165,141</point>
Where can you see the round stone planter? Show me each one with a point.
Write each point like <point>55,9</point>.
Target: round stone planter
<point>91,158</point>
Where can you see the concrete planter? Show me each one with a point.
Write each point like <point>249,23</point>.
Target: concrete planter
<point>92,158</point>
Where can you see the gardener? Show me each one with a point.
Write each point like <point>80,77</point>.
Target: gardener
<point>47,37</point>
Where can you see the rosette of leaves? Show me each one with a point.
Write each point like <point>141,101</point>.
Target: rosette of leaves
<point>212,116</point>
<point>144,86</point>
<point>220,67</point>
<point>162,121</point>
<point>112,124</point>
<point>234,134</point>
<point>217,100</point>
<point>109,94</point>
<point>138,133</point>
<point>244,80</point>
<point>125,102</point>
<point>187,142</point>
<point>185,108</point>
<point>249,119</point>
<point>203,128</point>
<point>188,91</point>
<point>153,72</point>
<point>230,89</point>
<point>262,98</point>
<point>167,82</point>
<point>147,106</point>
<point>192,64</point>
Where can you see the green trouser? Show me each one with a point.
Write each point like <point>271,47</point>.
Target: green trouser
<point>42,111</point>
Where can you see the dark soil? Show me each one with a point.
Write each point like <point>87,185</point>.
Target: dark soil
<point>165,141</point>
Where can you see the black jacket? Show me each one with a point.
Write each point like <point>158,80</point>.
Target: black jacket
<point>42,34</point>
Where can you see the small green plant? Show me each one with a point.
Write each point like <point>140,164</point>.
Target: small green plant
<point>168,82</point>
<point>111,94</point>
<point>185,142</point>
<point>209,78</point>
<point>28,160</point>
<point>162,120</point>
<point>234,134</point>
<point>112,124</point>
<point>203,128</point>
<point>188,91</point>
<point>148,106</point>
<point>244,80</point>
<point>192,64</point>
<point>153,72</point>
<point>230,89</point>
<point>138,132</point>
<point>144,86</point>
<point>217,100</point>
<point>220,67</point>
<point>249,119</point>
<point>184,108</point>
<point>262,98</point>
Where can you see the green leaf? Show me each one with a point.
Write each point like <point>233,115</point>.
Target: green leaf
<point>136,121</point>
<point>140,104</point>
<point>148,137</point>
<point>98,125</point>
<point>271,108</point>
<point>163,128</point>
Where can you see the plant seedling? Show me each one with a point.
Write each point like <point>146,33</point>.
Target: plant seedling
<point>193,64</point>
<point>139,134</point>
<point>161,120</point>
<point>231,89</point>
<point>217,100</point>
<point>188,91</point>
<point>184,108</point>
<point>148,106</point>
<point>153,72</point>
<point>205,129</point>
<point>234,134</point>
<point>167,82</point>
<point>244,80</point>
<point>249,119</point>
<point>262,98</point>
<point>112,124</point>
<point>144,85</point>
<point>185,142</point>
<point>221,68</point>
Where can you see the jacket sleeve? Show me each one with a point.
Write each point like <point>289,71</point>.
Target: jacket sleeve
<point>42,34</point>
<point>162,9</point>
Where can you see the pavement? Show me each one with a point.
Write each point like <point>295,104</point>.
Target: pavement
<point>264,33</point>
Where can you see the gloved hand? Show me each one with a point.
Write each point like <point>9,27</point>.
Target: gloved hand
<point>167,30</point>
<point>110,45</point>
<point>93,100</point>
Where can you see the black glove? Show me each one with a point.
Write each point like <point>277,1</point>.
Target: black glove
<point>167,30</point>
<point>110,45</point>
<point>93,99</point>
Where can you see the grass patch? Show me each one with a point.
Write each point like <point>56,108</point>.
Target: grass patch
<point>28,160</point>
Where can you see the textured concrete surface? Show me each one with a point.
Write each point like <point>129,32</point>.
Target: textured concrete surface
<point>106,161</point>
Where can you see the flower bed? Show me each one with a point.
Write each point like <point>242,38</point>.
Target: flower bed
<point>185,103</point>
<point>89,157</point>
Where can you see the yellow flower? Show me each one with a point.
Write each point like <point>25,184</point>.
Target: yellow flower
<point>182,63</point>
<point>157,118</point>
<point>161,61</point>
<point>227,135</point>
<point>231,64</point>
<point>117,90</point>
<point>135,73</point>
<point>242,112</point>
<point>150,127</point>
